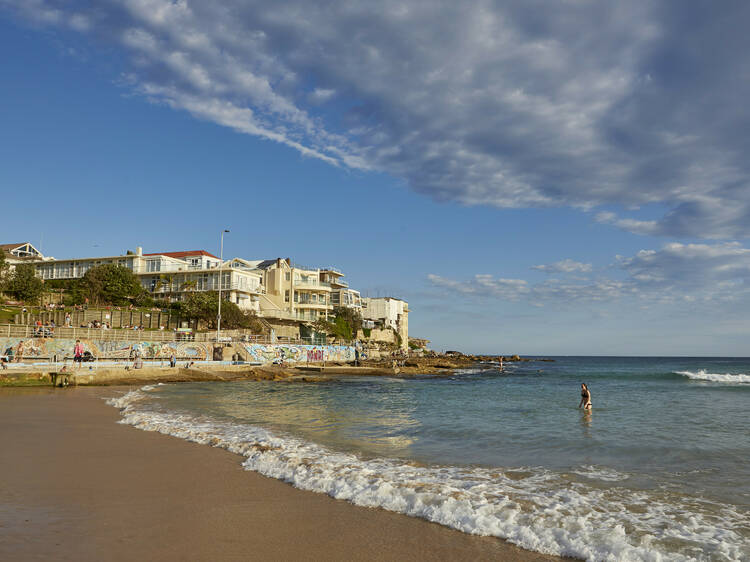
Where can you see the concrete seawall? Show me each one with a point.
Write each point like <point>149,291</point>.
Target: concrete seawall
<point>31,350</point>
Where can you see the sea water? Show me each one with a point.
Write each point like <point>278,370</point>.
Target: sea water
<point>659,470</point>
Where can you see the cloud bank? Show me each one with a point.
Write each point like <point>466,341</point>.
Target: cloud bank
<point>603,106</point>
<point>677,273</point>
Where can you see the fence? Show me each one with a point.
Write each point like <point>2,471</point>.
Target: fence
<point>114,334</point>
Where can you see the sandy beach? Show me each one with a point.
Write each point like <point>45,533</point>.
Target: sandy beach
<point>76,485</point>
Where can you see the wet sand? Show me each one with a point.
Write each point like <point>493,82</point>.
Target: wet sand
<point>75,485</point>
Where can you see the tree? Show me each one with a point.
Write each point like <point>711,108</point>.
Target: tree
<point>204,307</point>
<point>3,270</point>
<point>24,284</point>
<point>347,323</point>
<point>323,326</point>
<point>111,284</point>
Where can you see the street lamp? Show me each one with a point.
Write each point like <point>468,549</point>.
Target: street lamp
<point>221,265</point>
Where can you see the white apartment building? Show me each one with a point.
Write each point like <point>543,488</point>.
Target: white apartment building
<point>274,288</point>
<point>170,275</point>
<point>387,311</point>
<point>390,313</point>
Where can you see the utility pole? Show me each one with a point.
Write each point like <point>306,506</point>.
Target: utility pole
<point>221,267</point>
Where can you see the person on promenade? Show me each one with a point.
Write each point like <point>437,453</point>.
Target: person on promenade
<point>173,361</point>
<point>585,397</point>
<point>78,353</point>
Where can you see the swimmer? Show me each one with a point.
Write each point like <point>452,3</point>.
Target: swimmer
<point>585,397</point>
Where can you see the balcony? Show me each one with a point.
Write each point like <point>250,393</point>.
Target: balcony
<point>315,305</point>
<point>174,288</point>
<point>312,285</point>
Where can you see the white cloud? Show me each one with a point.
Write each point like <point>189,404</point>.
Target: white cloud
<point>677,273</point>
<point>564,266</point>
<point>322,95</point>
<point>515,104</point>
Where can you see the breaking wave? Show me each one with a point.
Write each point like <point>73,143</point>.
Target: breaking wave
<point>536,509</point>
<point>702,375</point>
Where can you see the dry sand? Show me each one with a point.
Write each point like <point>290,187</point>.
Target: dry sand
<point>75,485</point>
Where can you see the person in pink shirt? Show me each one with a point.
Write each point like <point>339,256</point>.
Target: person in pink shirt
<point>78,353</point>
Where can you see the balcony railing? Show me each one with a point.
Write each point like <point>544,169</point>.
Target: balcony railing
<point>311,284</point>
<point>320,305</point>
<point>167,288</point>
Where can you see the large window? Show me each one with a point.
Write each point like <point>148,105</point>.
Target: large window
<point>153,265</point>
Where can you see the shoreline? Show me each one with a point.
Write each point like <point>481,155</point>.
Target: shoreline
<point>78,485</point>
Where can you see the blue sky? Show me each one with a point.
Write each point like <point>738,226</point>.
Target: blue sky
<point>560,181</point>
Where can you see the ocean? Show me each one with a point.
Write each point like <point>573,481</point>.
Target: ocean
<point>659,470</point>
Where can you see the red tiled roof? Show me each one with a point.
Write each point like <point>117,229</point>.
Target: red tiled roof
<point>183,254</point>
<point>12,246</point>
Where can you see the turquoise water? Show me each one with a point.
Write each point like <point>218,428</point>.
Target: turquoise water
<point>658,470</point>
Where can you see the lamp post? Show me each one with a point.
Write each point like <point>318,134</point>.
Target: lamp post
<point>221,266</point>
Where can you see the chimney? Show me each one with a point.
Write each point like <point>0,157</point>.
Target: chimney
<point>278,262</point>
<point>138,251</point>
<point>289,262</point>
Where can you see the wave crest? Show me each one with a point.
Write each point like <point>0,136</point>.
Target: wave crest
<point>702,375</point>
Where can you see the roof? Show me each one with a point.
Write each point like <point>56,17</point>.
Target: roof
<point>9,247</point>
<point>183,254</point>
<point>261,264</point>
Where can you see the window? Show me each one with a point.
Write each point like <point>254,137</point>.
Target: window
<point>286,295</point>
<point>153,265</point>
<point>288,276</point>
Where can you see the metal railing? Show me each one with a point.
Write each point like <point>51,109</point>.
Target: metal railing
<point>115,334</point>
<point>178,288</point>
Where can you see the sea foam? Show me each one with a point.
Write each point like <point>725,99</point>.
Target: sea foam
<point>536,509</point>
<point>702,375</point>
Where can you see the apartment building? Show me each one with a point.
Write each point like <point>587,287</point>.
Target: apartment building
<point>346,298</point>
<point>274,288</point>
<point>292,291</point>
<point>22,252</point>
<point>388,312</point>
<point>170,275</point>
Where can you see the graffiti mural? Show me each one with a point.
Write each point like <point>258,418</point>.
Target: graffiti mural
<point>290,353</point>
<point>18,349</point>
<point>29,349</point>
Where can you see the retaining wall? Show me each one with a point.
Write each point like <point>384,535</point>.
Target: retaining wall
<point>39,349</point>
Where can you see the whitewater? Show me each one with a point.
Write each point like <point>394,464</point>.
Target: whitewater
<point>396,457</point>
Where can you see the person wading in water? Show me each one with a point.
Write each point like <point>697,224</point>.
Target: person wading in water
<point>585,397</point>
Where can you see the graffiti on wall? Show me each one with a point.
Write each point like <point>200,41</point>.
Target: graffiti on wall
<point>290,353</point>
<point>19,349</point>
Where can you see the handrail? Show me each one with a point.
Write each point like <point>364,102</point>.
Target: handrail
<point>116,334</point>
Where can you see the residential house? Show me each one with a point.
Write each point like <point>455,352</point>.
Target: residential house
<point>389,312</point>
